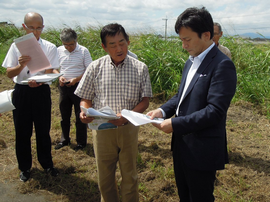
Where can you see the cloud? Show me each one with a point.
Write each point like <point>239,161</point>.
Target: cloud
<point>235,16</point>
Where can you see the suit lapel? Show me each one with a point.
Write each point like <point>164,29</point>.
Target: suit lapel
<point>183,81</point>
<point>205,63</point>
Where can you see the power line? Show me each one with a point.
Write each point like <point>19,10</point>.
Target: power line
<point>239,16</point>
<point>149,22</point>
<point>251,28</point>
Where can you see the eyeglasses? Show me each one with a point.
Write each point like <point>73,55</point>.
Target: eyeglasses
<point>32,29</point>
<point>70,45</point>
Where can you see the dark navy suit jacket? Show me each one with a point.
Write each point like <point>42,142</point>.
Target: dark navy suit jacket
<point>199,130</point>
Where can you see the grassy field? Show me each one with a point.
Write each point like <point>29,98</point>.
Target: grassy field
<point>245,179</point>
<point>165,60</point>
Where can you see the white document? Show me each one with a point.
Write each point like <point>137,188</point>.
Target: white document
<point>6,101</point>
<point>42,78</point>
<point>138,119</point>
<point>29,46</point>
<point>101,118</point>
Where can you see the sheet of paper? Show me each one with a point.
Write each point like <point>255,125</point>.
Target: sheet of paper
<point>138,119</point>
<point>6,101</point>
<point>28,45</point>
<point>101,124</point>
<point>104,113</point>
<point>101,118</point>
<point>42,78</point>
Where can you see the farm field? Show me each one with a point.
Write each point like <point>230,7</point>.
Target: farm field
<point>246,178</point>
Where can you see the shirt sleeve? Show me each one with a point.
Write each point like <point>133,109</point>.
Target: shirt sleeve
<point>11,59</point>
<point>87,58</point>
<point>146,84</point>
<point>53,58</point>
<point>85,89</point>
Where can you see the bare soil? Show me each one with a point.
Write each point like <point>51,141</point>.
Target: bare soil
<point>246,178</point>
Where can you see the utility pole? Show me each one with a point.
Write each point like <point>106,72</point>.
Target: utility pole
<point>165,27</point>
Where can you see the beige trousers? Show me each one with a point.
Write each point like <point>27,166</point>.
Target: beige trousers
<point>111,146</point>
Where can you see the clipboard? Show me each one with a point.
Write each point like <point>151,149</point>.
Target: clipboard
<point>28,45</point>
<point>42,78</point>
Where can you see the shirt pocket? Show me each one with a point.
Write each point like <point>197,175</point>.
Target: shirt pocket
<point>131,91</point>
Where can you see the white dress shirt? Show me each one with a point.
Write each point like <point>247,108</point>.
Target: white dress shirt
<point>196,62</point>
<point>73,64</point>
<point>11,60</point>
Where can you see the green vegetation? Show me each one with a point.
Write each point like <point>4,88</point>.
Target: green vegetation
<point>165,60</point>
<point>245,179</point>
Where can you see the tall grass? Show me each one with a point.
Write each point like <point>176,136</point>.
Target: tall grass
<point>252,63</point>
<point>8,33</point>
<point>166,58</point>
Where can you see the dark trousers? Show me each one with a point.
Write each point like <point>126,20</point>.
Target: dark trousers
<point>66,101</point>
<point>33,105</point>
<point>193,185</point>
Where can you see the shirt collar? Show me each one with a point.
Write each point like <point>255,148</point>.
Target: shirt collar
<point>203,54</point>
<point>77,47</point>
<point>121,64</point>
<point>40,41</point>
<point>75,50</point>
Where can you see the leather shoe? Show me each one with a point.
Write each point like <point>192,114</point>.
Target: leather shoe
<point>79,147</point>
<point>60,145</point>
<point>52,171</point>
<point>25,175</point>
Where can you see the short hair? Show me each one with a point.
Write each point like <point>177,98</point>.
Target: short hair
<point>198,20</point>
<point>218,25</point>
<point>68,35</point>
<point>111,30</point>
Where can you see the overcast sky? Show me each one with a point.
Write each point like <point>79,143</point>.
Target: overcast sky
<point>235,16</point>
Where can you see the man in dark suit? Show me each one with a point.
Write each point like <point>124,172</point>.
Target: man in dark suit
<point>208,84</point>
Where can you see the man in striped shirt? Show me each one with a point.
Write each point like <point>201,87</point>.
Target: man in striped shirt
<point>121,82</point>
<point>73,59</point>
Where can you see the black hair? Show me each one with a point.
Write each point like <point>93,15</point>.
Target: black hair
<point>111,30</point>
<point>198,20</point>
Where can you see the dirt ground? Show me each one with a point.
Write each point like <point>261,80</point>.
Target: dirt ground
<point>246,178</point>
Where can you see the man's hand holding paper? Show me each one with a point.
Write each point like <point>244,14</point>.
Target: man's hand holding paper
<point>100,119</point>
<point>23,60</point>
<point>138,119</point>
<point>28,45</point>
<point>119,122</point>
<point>34,84</point>
<point>84,117</point>
<point>165,126</point>
<point>155,114</point>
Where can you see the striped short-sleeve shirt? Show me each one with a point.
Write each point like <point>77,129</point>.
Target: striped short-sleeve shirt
<point>119,87</point>
<point>75,63</point>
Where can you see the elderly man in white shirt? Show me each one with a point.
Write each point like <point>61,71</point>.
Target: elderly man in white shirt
<point>74,60</point>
